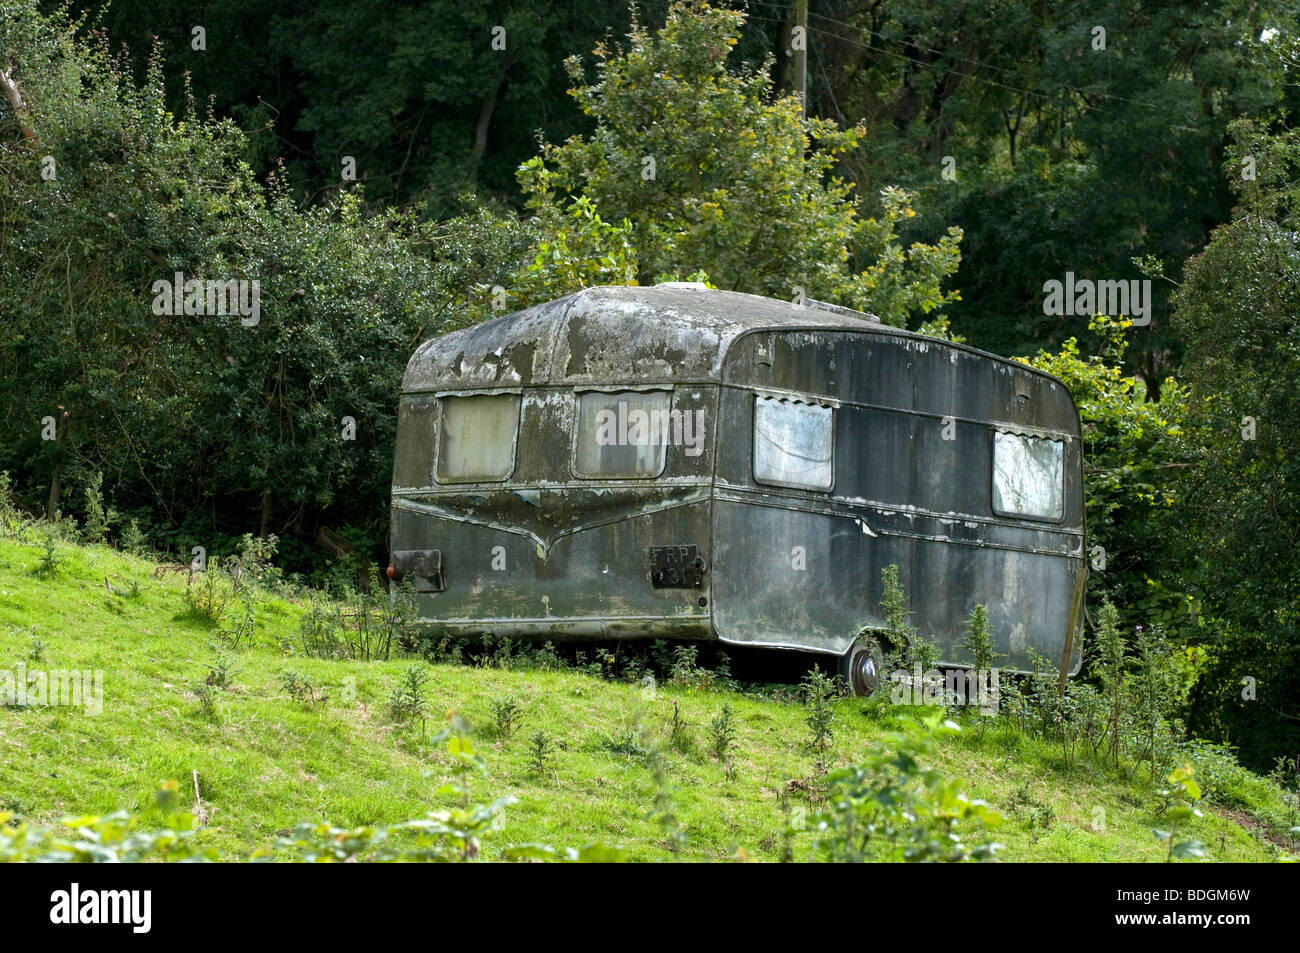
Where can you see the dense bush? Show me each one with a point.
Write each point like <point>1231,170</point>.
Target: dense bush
<point>203,425</point>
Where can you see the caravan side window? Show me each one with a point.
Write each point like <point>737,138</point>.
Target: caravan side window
<point>792,443</point>
<point>1028,476</point>
<point>476,438</point>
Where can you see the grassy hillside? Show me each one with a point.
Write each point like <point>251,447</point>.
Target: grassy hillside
<point>266,762</point>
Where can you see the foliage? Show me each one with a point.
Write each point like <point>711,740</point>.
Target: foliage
<point>664,810</point>
<point>899,635</point>
<point>98,518</point>
<point>541,750</point>
<point>722,733</point>
<point>1109,668</point>
<point>708,172</point>
<point>206,694</point>
<point>361,623</point>
<point>1183,795</point>
<point>578,249</point>
<point>1157,695</point>
<point>114,838</point>
<point>297,685</point>
<point>819,690</point>
<point>221,671</point>
<point>1240,494</point>
<point>409,700</point>
<point>10,516</point>
<point>214,425</point>
<point>979,640</point>
<point>133,539</point>
<point>1063,156</point>
<point>893,808</point>
<point>686,672</point>
<point>505,713</point>
<point>51,556</point>
<point>1131,453</point>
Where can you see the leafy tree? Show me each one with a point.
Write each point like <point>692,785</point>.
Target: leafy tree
<point>1237,311</point>
<point>216,426</point>
<point>427,99</point>
<point>714,176</point>
<point>1131,453</point>
<point>1069,149</point>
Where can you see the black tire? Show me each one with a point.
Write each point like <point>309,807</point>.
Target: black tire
<point>862,667</point>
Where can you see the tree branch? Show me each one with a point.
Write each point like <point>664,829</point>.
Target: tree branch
<point>16,101</point>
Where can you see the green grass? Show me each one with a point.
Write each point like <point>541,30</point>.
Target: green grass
<point>265,762</point>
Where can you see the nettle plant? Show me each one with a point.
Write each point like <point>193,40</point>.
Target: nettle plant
<point>819,690</point>
<point>1132,714</point>
<point>212,588</point>
<point>1182,797</point>
<point>12,520</point>
<point>904,645</point>
<point>408,702</point>
<point>362,624</point>
<point>1128,717</point>
<point>505,715</point>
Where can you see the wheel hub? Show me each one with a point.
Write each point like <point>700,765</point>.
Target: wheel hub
<point>865,671</point>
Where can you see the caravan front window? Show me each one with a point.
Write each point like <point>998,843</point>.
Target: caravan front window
<point>476,438</point>
<point>622,434</point>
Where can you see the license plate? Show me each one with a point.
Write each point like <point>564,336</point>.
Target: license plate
<point>676,567</point>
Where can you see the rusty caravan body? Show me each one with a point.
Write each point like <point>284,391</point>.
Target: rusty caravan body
<point>677,462</point>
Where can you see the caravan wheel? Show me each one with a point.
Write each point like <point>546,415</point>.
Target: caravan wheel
<point>862,667</point>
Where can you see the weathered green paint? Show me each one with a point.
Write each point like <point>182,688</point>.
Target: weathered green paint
<point>576,551</point>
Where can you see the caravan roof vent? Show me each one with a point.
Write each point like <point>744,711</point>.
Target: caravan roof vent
<point>840,309</point>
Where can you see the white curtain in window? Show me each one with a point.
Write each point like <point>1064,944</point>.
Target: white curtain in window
<point>1027,475</point>
<point>792,443</point>
<point>623,434</point>
<point>477,440</point>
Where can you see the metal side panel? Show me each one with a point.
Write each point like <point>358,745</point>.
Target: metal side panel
<point>792,578</point>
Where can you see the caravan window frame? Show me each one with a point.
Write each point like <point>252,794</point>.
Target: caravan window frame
<point>614,392</point>
<point>443,399</point>
<point>794,400</point>
<point>1023,435</point>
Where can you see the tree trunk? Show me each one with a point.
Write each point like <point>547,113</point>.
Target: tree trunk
<point>16,101</point>
<point>484,123</point>
<point>62,422</point>
<point>56,489</point>
<point>781,55</point>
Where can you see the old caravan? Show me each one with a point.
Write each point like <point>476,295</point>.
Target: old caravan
<point>678,462</point>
